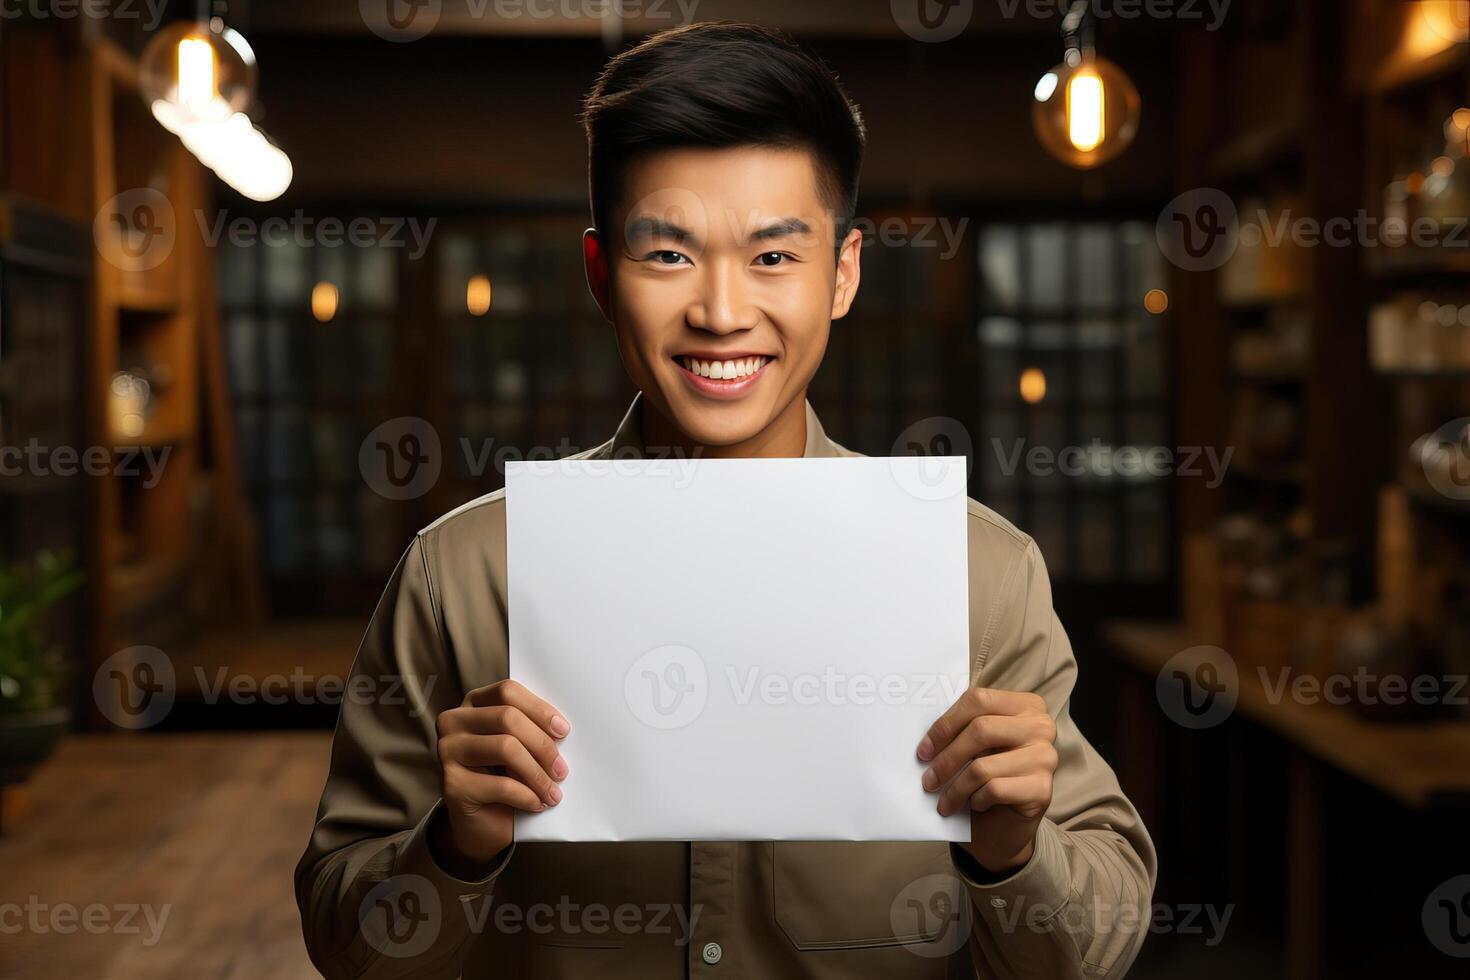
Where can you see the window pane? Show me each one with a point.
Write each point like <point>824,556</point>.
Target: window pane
<point>1000,267</point>
<point>243,336</point>
<point>376,279</point>
<point>1095,273</point>
<point>287,275</point>
<point>1046,264</point>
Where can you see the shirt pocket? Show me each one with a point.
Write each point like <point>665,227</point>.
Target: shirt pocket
<point>852,895</point>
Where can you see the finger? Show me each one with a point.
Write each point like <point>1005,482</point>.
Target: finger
<point>516,694</point>
<point>463,785</point>
<point>508,720</point>
<point>987,733</point>
<point>483,751</point>
<point>1036,757</point>
<point>974,702</point>
<point>1029,792</point>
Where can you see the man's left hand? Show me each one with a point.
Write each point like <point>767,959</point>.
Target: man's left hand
<point>1002,745</point>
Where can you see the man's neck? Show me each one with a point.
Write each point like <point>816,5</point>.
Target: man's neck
<point>784,437</point>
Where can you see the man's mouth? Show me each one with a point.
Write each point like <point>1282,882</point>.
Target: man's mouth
<point>732,369</point>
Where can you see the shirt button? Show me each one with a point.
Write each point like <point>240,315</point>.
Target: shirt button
<point>997,903</point>
<point>712,953</point>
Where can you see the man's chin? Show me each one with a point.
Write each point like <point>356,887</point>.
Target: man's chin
<point>720,425</point>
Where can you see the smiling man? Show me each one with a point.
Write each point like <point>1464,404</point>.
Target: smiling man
<point>724,167</point>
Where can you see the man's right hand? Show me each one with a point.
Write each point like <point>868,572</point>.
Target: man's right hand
<point>498,753</point>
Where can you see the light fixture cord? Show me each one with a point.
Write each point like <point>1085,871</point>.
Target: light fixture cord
<point>1077,27</point>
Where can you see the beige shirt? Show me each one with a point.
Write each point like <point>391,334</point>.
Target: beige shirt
<point>375,904</point>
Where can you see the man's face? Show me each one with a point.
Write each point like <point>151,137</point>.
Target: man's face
<point>723,281</point>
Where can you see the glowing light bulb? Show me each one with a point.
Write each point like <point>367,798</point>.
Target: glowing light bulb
<point>324,301</point>
<point>1156,301</point>
<point>202,72</point>
<point>1086,110</point>
<point>196,85</point>
<point>1033,385</point>
<point>477,295</point>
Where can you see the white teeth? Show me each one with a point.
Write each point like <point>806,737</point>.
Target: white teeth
<point>723,370</point>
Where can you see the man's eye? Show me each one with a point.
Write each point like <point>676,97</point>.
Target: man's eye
<point>665,257</point>
<point>770,259</point>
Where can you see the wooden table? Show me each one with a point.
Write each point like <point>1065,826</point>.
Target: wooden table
<point>1424,766</point>
<point>200,831</point>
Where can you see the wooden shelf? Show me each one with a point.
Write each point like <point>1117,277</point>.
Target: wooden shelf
<point>1425,374</point>
<point>152,437</point>
<point>133,298</point>
<point>1419,764</point>
<point>1410,260</point>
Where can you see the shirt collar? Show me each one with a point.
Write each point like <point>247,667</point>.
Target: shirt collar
<point>628,439</point>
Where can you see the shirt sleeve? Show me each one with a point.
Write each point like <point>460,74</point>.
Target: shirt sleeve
<point>374,903</point>
<point>1079,907</point>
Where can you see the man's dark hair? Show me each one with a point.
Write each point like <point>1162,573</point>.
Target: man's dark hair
<point>718,85</point>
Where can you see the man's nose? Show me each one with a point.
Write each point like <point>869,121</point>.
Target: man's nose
<point>723,305</point>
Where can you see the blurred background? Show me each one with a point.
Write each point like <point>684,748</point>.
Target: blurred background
<point>1189,282</point>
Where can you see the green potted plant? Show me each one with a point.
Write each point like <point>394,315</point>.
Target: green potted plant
<point>33,671</point>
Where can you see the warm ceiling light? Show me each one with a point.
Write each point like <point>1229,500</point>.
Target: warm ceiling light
<point>1447,20</point>
<point>324,301</point>
<point>477,295</point>
<point>1033,385</point>
<point>1156,301</point>
<point>197,88</point>
<point>1085,111</point>
<point>204,72</point>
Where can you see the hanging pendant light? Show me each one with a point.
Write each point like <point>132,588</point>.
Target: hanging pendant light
<point>1086,109</point>
<point>198,79</point>
<point>199,71</point>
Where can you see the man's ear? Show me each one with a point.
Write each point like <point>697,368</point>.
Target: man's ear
<point>849,272</point>
<point>594,260</point>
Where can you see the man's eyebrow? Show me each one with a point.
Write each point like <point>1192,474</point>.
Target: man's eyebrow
<point>659,228</point>
<point>781,229</point>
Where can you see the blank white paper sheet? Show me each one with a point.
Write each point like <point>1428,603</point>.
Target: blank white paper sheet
<point>746,649</point>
